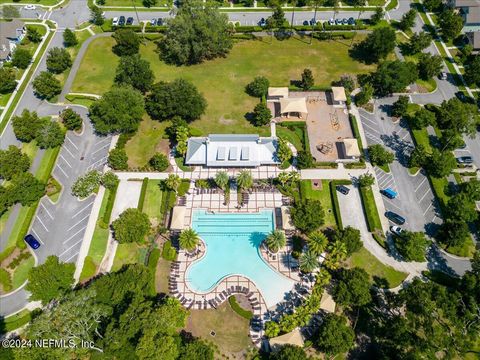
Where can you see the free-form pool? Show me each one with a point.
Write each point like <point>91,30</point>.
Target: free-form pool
<point>233,242</point>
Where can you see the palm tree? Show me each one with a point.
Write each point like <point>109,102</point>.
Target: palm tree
<point>222,179</point>
<point>245,180</point>
<point>308,261</point>
<point>275,240</point>
<point>188,239</point>
<point>172,182</point>
<point>337,252</point>
<point>317,242</point>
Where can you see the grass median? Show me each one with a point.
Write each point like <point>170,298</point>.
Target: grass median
<point>370,209</point>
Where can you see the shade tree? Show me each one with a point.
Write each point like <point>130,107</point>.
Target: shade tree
<point>352,288</point>
<point>21,58</point>
<point>71,119</point>
<point>451,23</point>
<point>377,45</point>
<point>408,20</point>
<point>307,215</point>
<point>350,237</point>
<point>118,159</point>
<point>58,60</point>
<point>400,107</point>
<point>379,155</point>
<point>275,240</point>
<point>393,76</point>
<point>46,85</point>
<point>335,336</point>
<point>50,135</point>
<point>69,38</point>
<point>419,41</point>
<point>12,162</point>
<point>261,114</point>
<point>8,81</point>
<point>159,162</point>
<point>412,245</point>
<point>131,226</point>
<point>258,87</point>
<point>127,42</point>
<point>33,34</point>
<point>134,71</point>
<point>429,65</point>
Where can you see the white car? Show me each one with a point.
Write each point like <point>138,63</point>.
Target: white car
<point>331,22</point>
<point>30,7</point>
<point>115,21</point>
<point>396,230</point>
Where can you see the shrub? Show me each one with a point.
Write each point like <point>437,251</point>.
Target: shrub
<point>159,162</point>
<point>238,309</point>
<point>86,184</point>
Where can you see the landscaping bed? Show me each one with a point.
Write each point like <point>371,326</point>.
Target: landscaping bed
<point>370,209</point>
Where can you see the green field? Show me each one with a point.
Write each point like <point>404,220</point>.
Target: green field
<point>36,2</point>
<point>322,195</point>
<point>223,81</point>
<point>20,274</point>
<point>130,253</point>
<point>13,322</point>
<point>153,200</point>
<point>383,275</point>
<point>370,209</point>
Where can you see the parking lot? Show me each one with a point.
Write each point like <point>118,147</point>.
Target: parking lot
<point>415,200</point>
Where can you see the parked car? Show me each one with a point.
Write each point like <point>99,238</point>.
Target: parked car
<point>443,76</point>
<point>313,22</point>
<point>331,22</point>
<point>351,21</point>
<point>121,20</point>
<point>30,240</point>
<point>305,23</point>
<point>396,230</point>
<point>343,189</point>
<point>130,21</point>
<point>115,21</point>
<point>153,22</point>
<point>262,22</point>
<point>338,22</point>
<point>159,21</point>
<point>30,7</point>
<point>465,160</point>
<point>389,193</point>
<point>394,217</point>
<point>345,21</point>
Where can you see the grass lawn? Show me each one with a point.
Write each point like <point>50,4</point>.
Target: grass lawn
<point>322,195</point>
<point>161,275</point>
<point>466,250</point>
<point>13,322</point>
<point>421,138</point>
<point>370,209</point>
<point>130,3</point>
<point>223,81</point>
<point>3,219</point>
<point>153,200</point>
<point>30,149</point>
<point>38,2</point>
<point>25,216</point>
<point>382,275</point>
<point>231,330</point>
<point>128,254</point>
<point>20,274</point>
<point>47,163</point>
<point>427,85</point>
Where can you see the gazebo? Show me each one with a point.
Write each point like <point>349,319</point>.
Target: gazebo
<point>339,96</point>
<point>293,106</point>
<point>178,218</point>
<point>292,338</point>
<point>275,93</point>
<point>351,148</point>
<point>327,303</point>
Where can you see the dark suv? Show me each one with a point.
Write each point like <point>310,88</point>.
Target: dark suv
<point>30,240</point>
<point>397,219</point>
<point>343,189</point>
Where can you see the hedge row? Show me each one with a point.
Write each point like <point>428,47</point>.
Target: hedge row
<point>109,208</point>
<point>358,26</point>
<point>370,209</point>
<point>326,35</point>
<point>143,192</point>
<point>22,256</point>
<point>238,309</point>
<point>153,259</point>
<point>168,252</point>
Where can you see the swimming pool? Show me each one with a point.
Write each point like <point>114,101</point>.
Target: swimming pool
<point>233,242</point>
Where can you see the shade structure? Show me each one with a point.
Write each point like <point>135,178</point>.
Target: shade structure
<point>327,303</point>
<point>278,92</point>
<point>286,220</point>
<point>292,338</point>
<point>351,147</point>
<point>178,218</point>
<point>339,93</point>
<point>293,105</point>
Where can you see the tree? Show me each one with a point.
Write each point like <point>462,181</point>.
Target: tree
<point>27,125</point>
<point>433,5</point>
<point>393,76</point>
<point>119,109</point>
<point>8,83</point>
<point>272,329</point>
<point>378,44</point>
<point>96,15</point>
<point>304,159</point>
<point>258,87</point>
<point>275,240</point>
<point>131,226</point>
<point>335,335</point>
<point>127,42</point>
<point>440,164</point>
<point>461,207</point>
<point>244,179</point>
<point>71,119</point>
<point>451,24</point>
<point>472,72</point>
<point>412,245</point>
<point>366,180</point>
<point>86,184</point>
<point>159,162</point>
<point>58,60</point>
<point>12,162</point>
<point>379,155</point>
<point>134,71</point>
<point>451,140</point>
<point>418,157</point>
<point>349,82</point>
<point>198,32</point>
<point>377,15</point>
<point>429,65</point>
<point>400,107</point>
<point>350,237</point>
<point>21,58</point>
<point>261,114</point>
<point>188,239</point>
<point>365,95</point>
<point>50,280</point>
<point>176,98</point>
<point>289,352</point>
<point>69,38</point>
<point>307,79</point>
<point>422,118</point>
<point>26,188</point>
<point>109,180</point>
<point>172,182</point>
<point>46,86</point>
<point>118,159</point>
<point>353,288</point>
<point>33,34</point>
<point>453,233</point>
<point>181,137</point>
<point>149,3</point>
<point>277,19</point>
<point>307,215</point>
<point>419,41</point>
<point>408,20</point>
<point>454,114</point>
<point>222,179</point>
<point>471,189</point>
<point>317,242</point>
<point>288,177</point>
<point>51,135</point>
<point>197,349</point>
<point>284,153</point>
<point>308,261</point>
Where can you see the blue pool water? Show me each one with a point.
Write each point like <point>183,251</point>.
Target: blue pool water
<point>233,242</point>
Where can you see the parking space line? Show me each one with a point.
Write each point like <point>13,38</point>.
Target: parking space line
<point>71,246</point>
<point>370,128</point>
<point>41,222</point>
<point>86,207</point>
<point>429,206</point>
<point>48,213</point>
<point>70,238</point>
<point>64,173</point>
<point>38,237</point>
<point>71,227</point>
<point>70,166</point>
<point>103,147</point>
<point>70,258</point>
<point>390,204</point>
<point>425,179</point>
<point>423,196</point>
<point>66,148</point>
<point>389,183</point>
<point>98,163</point>
<point>71,142</point>
<point>375,139</point>
<point>101,141</point>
